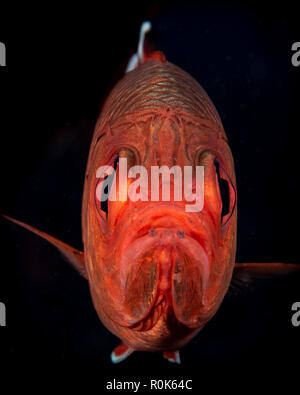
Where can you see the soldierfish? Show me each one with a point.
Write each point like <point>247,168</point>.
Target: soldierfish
<point>157,273</point>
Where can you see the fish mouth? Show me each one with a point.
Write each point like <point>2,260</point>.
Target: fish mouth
<point>172,247</point>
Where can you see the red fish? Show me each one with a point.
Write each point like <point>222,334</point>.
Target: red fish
<point>158,273</point>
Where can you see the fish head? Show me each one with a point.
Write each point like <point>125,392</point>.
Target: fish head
<point>150,258</point>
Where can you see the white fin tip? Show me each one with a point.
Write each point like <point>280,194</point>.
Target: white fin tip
<point>121,357</point>
<point>138,57</point>
<point>145,28</point>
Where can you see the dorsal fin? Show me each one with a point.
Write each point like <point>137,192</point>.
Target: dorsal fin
<point>141,56</point>
<point>74,256</point>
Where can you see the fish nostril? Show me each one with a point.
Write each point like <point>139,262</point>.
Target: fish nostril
<point>152,232</point>
<point>180,234</point>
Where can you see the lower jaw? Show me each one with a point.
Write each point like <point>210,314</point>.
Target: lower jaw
<point>163,336</point>
<point>163,309</point>
<point>161,312</point>
<point>167,334</point>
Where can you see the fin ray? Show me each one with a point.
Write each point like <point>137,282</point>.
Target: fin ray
<point>74,256</point>
<point>244,274</point>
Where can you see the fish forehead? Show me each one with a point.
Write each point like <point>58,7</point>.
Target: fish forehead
<point>162,137</point>
<point>156,86</point>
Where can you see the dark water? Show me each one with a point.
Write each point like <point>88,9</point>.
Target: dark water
<point>61,63</point>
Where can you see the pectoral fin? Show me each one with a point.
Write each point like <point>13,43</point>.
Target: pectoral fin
<point>245,274</point>
<point>74,256</point>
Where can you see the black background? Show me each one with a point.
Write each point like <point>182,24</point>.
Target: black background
<point>61,64</point>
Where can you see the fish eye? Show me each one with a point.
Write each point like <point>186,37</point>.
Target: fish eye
<point>225,187</point>
<point>104,184</point>
<point>108,180</point>
<point>227,192</point>
<point>103,188</point>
